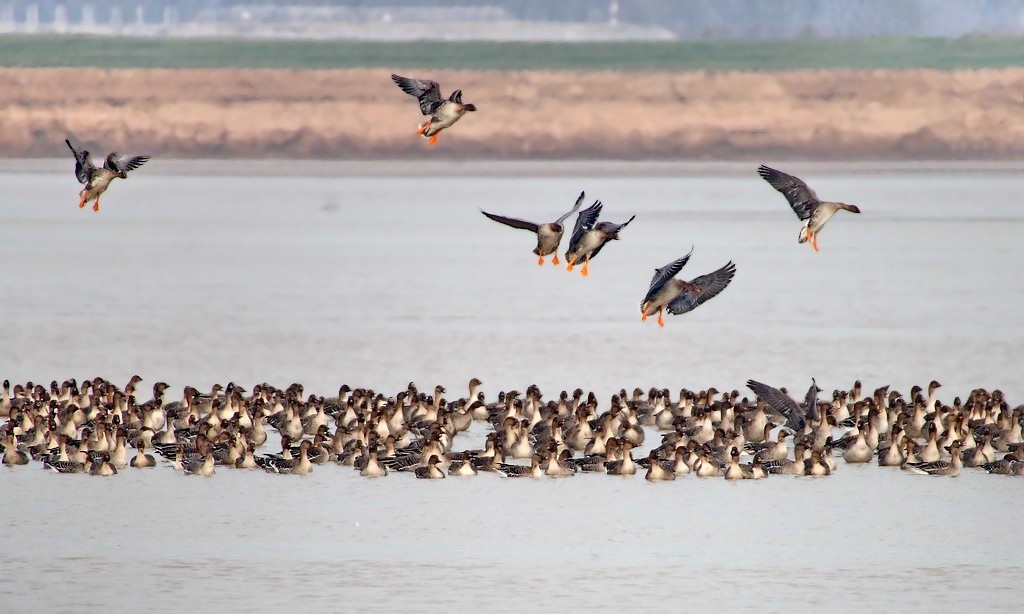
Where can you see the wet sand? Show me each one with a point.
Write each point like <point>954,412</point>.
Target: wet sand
<point>353,114</point>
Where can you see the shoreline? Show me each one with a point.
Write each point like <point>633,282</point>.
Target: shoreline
<point>244,167</point>
<point>840,115</point>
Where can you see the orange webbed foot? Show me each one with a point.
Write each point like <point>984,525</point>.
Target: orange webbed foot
<point>555,260</point>
<point>96,206</point>
<point>81,204</point>
<point>433,140</point>
<point>643,318</point>
<point>540,260</point>
<point>661,322</point>
<point>814,242</point>
<point>423,127</point>
<point>569,266</point>
<point>585,271</point>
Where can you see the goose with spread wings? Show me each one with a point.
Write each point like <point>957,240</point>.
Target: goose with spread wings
<point>442,113</point>
<point>678,296</point>
<point>590,236</point>
<point>805,203</point>
<point>781,402</point>
<point>97,179</point>
<point>549,236</point>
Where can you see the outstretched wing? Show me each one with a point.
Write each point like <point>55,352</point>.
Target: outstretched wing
<point>125,163</point>
<point>585,221</point>
<point>513,222</point>
<point>575,208</point>
<point>801,198</point>
<point>780,402</point>
<point>426,91</point>
<point>666,273</point>
<point>711,285</point>
<point>84,168</point>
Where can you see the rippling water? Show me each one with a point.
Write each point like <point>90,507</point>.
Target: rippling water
<point>378,274</point>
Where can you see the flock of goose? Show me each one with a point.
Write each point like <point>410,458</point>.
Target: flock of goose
<point>589,235</point>
<point>92,428</point>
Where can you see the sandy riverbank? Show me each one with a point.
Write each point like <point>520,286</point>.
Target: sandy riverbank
<point>361,114</point>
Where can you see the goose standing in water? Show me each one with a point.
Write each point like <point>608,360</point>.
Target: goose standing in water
<point>951,467</point>
<point>590,236</point>
<point>549,236</point>
<point>442,113</point>
<point>680,296</point>
<point>805,203</point>
<point>97,179</point>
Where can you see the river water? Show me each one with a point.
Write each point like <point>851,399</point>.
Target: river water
<point>377,274</point>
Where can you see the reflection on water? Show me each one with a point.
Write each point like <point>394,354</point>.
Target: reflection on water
<point>377,280</point>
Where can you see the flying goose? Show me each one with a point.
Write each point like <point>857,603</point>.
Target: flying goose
<point>548,235</point>
<point>97,180</point>
<point>680,296</point>
<point>589,236</point>
<point>805,203</point>
<point>442,113</point>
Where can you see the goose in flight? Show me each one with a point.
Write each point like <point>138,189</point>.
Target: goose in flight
<point>589,236</point>
<point>548,235</point>
<point>805,203</point>
<point>441,113</point>
<point>97,179</point>
<point>680,296</point>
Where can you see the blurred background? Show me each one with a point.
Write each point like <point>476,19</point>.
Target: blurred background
<point>517,20</point>
<point>621,79</point>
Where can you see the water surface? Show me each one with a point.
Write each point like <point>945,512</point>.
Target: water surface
<point>377,274</point>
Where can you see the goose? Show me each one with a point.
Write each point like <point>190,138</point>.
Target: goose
<point>678,296</point>
<point>430,471</point>
<point>101,465</point>
<point>549,236</point>
<point>816,466</point>
<point>949,468</point>
<point>590,236</point>
<point>659,470</point>
<point>373,467</point>
<point>559,466</point>
<point>858,451</point>
<point>441,113</point>
<point>97,179</point>
<point>735,471</point>
<point>141,459</point>
<point>805,203</point>
<point>522,471</point>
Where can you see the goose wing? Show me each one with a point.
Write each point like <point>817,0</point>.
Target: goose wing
<point>84,168</point>
<point>125,163</point>
<point>666,273</point>
<point>576,207</point>
<point>780,402</point>
<point>426,91</point>
<point>801,198</point>
<point>513,222</point>
<point>711,285</point>
<point>584,223</point>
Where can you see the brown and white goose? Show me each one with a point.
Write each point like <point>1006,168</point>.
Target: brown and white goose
<point>549,235</point>
<point>442,113</point>
<point>805,203</point>
<point>680,296</point>
<point>97,179</point>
